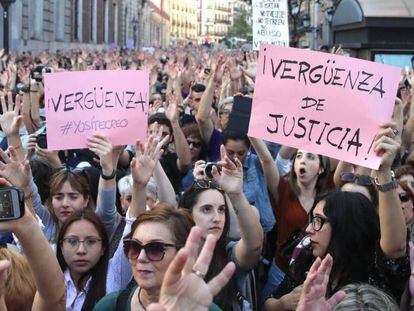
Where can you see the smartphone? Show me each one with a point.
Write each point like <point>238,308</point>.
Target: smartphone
<point>11,203</point>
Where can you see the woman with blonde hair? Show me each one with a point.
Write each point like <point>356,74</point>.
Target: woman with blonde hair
<point>20,288</point>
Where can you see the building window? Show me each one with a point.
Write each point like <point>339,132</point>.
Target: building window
<point>60,20</point>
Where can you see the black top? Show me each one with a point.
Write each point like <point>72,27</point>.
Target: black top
<point>390,275</point>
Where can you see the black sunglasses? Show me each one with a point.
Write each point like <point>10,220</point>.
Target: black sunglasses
<point>155,251</point>
<point>196,144</point>
<point>362,180</point>
<point>404,197</point>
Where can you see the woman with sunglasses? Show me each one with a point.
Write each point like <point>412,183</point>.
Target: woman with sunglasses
<point>207,201</point>
<point>83,252</point>
<point>366,245</point>
<point>154,240</point>
<point>69,189</point>
<point>197,150</point>
<point>364,184</point>
<point>407,204</point>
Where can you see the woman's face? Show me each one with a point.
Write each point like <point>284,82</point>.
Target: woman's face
<point>81,257</point>
<point>195,146</point>
<point>307,167</point>
<point>320,239</point>
<point>406,206</point>
<point>409,179</point>
<point>67,201</point>
<point>149,274</point>
<point>209,213</point>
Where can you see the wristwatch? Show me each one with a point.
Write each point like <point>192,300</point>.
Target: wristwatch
<point>110,176</point>
<point>388,186</point>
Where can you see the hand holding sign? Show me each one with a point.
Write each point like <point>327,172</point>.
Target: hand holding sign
<point>80,104</point>
<point>324,103</point>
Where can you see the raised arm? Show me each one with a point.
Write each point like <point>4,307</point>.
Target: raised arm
<point>10,122</point>
<point>269,167</point>
<point>165,190</point>
<point>249,247</point>
<point>142,168</point>
<point>108,158</point>
<point>48,277</point>
<point>392,224</point>
<point>181,145</point>
<point>203,117</point>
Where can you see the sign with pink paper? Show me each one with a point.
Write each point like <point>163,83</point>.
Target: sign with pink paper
<point>110,102</point>
<point>323,103</point>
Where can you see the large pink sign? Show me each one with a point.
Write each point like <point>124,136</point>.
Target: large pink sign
<point>323,103</point>
<point>80,104</point>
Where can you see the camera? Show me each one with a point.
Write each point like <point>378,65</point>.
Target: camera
<point>209,168</point>
<point>11,203</point>
<point>42,140</point>
<point>37,73</point>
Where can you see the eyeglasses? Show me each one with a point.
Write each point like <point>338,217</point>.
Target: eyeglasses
<point>404,197</point>
<point>205,184</point>
<point>362,180</point>
<point>72,243</point>
<point>317,222</point>
<point>196,144</point>
<point>155,251</point>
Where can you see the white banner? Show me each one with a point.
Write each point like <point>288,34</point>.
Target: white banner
<point>270,23</point>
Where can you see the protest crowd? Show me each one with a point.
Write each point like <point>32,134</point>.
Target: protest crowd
<point>198,216</point>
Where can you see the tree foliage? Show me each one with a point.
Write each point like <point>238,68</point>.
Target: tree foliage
<point>241,28</point>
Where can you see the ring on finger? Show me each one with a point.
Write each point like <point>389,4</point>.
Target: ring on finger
<point>198,273</point>
<point>395,131</point>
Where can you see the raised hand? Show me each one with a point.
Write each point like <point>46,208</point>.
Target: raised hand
<point>15,171</point>
<point>231,177</point>
<point>387,144</point>
<point>314,288</point>
<point>182,288</point>
<point>143,164</point>
<point>10,120</point>
<point>171,108</point>
<point>102,147</point>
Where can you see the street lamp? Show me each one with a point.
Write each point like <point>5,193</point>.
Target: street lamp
<point>5,4</point>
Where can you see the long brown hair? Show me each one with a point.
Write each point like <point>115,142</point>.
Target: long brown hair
<point>227,295</point>
<point>321,182</point>
<point>77,180</point>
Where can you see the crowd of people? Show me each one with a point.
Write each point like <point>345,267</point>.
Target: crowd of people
<point>199,216</point>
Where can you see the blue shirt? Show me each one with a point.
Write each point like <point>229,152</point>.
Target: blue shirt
<point>255,190</point>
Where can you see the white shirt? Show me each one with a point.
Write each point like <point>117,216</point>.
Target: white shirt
<point>74,300</point>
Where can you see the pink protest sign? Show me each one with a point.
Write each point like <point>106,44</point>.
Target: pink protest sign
<point>79,104</point>
<point>323,103</point>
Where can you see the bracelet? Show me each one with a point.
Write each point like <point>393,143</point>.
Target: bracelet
<point>110,176</point>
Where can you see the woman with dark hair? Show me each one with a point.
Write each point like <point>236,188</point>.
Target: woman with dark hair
<point>197,150</point>
<point>83,252</point>
<point>207,201</point>
<point>366,245</point>
<point>70,192</point>
<point>292,200</point>
<point>407,204</point>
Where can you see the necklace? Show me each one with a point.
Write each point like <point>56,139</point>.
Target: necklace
<point>139,299</point>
